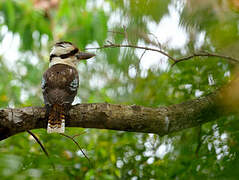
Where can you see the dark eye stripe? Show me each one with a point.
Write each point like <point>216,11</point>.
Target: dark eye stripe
<point>63,42</point>
<point>64,56</point>
<point>52,56</point>
<point>72,53</point>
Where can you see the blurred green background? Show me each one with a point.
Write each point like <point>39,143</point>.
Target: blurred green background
<point>29,28</point>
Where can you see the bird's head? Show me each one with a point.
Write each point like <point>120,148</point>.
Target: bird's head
<point>67,53</point>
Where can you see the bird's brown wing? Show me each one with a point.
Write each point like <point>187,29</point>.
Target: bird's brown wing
<point>59,84</point>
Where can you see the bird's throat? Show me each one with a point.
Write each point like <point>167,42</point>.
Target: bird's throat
<point>66,61</point>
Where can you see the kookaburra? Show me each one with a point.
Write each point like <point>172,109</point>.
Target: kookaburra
<point>60,83</point>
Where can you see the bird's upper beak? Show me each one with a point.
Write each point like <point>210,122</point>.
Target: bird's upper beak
<point>84,55</point>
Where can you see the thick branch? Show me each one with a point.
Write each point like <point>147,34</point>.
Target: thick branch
<point>162,120</point>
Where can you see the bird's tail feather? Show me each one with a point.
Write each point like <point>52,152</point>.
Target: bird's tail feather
<point>56,119</point>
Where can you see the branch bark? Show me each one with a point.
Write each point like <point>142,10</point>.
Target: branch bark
<point>162,120</point>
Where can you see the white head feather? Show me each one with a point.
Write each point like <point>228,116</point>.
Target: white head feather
<point>61,49</point>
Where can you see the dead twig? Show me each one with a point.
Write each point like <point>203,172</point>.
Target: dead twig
<point>76,135</point>
<point>157,40</point>
<point>72,138</point>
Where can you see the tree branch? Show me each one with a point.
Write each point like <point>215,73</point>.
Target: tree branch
<point>205,54</point>
<point>175,61</point>
<point>39,142</point>
<point>162,120</point>
<point>73,139</point>
<point>111,45</point>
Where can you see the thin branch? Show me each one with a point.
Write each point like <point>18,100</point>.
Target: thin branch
<point>138,64</point>
<point>39,142</point>
<point>205,54</point>
<point>175,61</point>
<point>157,40</point>
<point>111,45</point>
<point>142,56</point>
<point>72,138</point>
<point>76,135</point>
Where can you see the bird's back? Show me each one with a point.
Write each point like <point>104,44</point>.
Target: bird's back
<point>60,84</point>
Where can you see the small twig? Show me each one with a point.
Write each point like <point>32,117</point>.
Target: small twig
<point>42,147</point>
<point>117,32</point>
<point>77,145</point>
<point>205,54</point>
<point>155,37</point>
<point>125,33</point>
<point>138,64</point>
<point>142,55</point>
<point>79,134</point>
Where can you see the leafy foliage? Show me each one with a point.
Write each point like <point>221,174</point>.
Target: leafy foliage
<point>120,76</point>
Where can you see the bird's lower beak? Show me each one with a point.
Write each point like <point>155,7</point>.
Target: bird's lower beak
<point>84,55</point>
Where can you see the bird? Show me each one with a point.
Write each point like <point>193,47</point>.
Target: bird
<point>60,83</point>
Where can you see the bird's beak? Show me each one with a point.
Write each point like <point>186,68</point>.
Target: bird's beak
<point>84,55</point>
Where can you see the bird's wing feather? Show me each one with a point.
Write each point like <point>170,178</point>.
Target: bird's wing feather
<point>60,84</point>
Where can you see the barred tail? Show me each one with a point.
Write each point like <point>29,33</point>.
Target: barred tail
<point>56,119</point>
